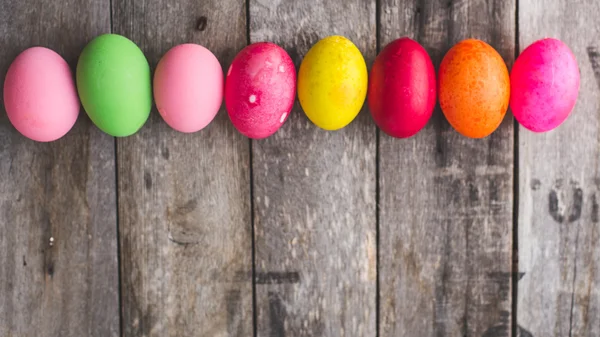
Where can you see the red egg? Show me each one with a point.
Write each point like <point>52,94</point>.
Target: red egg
<point>260,89</point>
<point>402,88</point>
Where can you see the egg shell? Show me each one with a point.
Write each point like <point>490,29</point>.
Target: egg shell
<point>402,88</point>
<point>332,82</point>
<point>260,89</point>
<point>544,85</point>
<point>114,84</point>
<point>474,88</point>
<point>40,95</point>
<point>188,87</point>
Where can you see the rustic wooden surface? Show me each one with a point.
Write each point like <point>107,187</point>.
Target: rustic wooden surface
<point>309,232</point>
<point>559,233</point>
<point>184,199</point>
<point>64,191</point>
<point>445,200</point>
<point>314,192</point>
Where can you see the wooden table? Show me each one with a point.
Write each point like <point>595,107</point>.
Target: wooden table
<point>306,233</point>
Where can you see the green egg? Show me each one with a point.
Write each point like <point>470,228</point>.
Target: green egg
<point>114,84</point>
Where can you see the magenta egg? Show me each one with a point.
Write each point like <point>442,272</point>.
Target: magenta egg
<point>260,89</point>
<point>188,87</point>
<point>40,96</point>
<point>544,85</point>
<point>402,88</point>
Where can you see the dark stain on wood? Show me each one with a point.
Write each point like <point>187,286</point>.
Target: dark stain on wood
<point>441,291</point>
<point>201,24</point>
<point>50,269</point>
<point>233,300</point>
<point>277,315</point>
<point>577,205</point>
<point>553,207</point>
<point>277,277</point>
<point>521,332</point>
<point>594,213</point>
<point>147,180</point>
<point>594,57</point>
<point>442,142</point>
<point>295,56</point>
<point>165,153</point>
<point>535,184</point>
<point>186,208</point>
<point>473,194</point>
<point>557,207</point>
<point>501,330</point>
<point>503,281</point>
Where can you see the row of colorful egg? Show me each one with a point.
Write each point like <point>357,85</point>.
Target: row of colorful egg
<point>113,81</point>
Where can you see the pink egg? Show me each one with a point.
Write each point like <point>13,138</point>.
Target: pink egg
<point>188,87</point>
<point>260,89</point>
<point>402,89</point>
<point>544,85</point>
<point>40,96</point>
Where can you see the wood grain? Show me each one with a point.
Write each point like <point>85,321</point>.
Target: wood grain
<point>314,192</point>
<point>184,199</point>
<point>559,181</point>
<point>446,200</point>
<point>63,190</point>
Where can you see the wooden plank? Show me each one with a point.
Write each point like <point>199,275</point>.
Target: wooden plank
<point>58,229</point>
<point>184,199</point>
<point>559,234</point>
<point>314,192</point>
<point>446,200</point>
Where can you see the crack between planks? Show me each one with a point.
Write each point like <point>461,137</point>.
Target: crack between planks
<point>515,229</point>
<point>254,304</point>
<point>117,222</point>
<point>121,332</point>
<point>377,188</point>
<point>251,181</point>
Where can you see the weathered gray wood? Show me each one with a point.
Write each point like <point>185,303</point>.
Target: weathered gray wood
<point>62,191</point>
<point>559,233</point>
<point>445,200</point>
<point>314,192</point>
<point>184,199</point>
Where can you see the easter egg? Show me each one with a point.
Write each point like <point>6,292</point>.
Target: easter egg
<point>260,89</point>
<point>332,82</point>
<point>188,87</point>
<point>474,88</point>
<point>40,95</point>
<point>544,85</point>
<point>402,89</point>
<point>114,84</point>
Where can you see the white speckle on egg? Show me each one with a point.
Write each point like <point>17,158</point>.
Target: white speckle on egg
<point>229,71</point>
<point>252,98</point>
<point>281,69</point>
<point>282,117</point>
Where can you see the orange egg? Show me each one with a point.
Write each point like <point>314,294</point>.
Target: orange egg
<point>474,88</point>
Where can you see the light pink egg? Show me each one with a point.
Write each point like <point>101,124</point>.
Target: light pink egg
<point>544,85</point>
<point>260,89</point>
<point>40,96</point>
<point>188,87</point>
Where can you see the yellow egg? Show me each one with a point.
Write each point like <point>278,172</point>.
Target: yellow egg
<point>332,82</point>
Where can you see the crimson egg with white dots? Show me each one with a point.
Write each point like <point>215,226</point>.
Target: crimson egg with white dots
<point>260,89</point>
